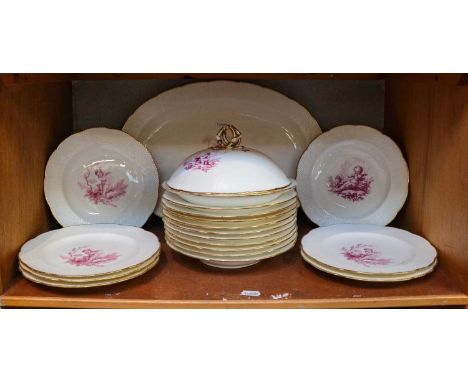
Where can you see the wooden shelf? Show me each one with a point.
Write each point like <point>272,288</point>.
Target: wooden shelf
<point>35,78</point>
<point>181,282</point>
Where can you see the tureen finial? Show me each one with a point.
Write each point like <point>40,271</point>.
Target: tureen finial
<point>228,136</point>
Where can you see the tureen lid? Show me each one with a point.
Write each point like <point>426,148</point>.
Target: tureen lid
<point>228,168</point>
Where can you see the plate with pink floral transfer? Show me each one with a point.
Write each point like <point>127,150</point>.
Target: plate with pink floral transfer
<point>352,174</point>
<point>89,250</point>
<point>101,176</point>
<point>368,249</point>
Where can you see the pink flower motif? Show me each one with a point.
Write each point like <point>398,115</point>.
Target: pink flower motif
<point>88,257</point>
<point>202,162</point>
<point>353,184</point>
<point>100,188</point>
<point>364,254</point>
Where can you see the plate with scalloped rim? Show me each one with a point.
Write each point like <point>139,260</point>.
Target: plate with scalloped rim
<point>89,250</point>
<point>368,249</point>
<point>177,123</point>
<point>399,277</point>
<point>101,175</point>
<point>352,174</point>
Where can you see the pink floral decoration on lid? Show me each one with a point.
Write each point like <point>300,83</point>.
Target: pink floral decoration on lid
<point>86,256</point>
<point>364,254</point>
<point>204,161</point>
<point>100,188</point>
<point>351,183</point>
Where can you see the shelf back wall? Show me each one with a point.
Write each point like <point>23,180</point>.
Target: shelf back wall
<point>109,103</point>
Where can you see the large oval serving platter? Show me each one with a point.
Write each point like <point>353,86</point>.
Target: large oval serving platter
<point>181,121</point>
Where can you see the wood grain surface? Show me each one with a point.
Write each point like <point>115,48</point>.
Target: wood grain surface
<point>33,120</point>
<point>427,115</point>
<point>429,120</point>
<point>284,281</point>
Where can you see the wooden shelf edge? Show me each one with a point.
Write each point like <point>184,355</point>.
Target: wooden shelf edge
<point>34,78</point>
<point>382,302</point>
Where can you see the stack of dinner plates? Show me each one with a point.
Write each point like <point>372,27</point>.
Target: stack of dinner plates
<point>369,252</point>
<point>231,237</point>
<point>230,206</point>
<point>89,255</point>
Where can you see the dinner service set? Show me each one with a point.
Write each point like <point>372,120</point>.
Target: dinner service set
<point>229,206</point>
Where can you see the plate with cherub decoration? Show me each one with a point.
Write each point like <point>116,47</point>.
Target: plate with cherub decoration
<point>352,174</point>
<point>365,249</point>
<point>101,175</point>
<point>89,250</point>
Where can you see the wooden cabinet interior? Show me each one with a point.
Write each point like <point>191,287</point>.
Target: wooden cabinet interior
<point>427,115</point>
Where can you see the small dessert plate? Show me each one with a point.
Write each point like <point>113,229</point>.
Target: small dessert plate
<point>88,250</point>
<point>368,249</point>
<point>101,176</point>
<point>352,174</point>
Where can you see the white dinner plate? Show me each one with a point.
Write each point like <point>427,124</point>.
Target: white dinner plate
<point>368,249</point>
<point>233,214</point>
<point>228,236</point>
<point>397,277</point>
<point>85,279</point>
<point>101,176</point>
<point>216,243</point>
<point>182,121</point>
<point>352,174</point>
<point>233,250</point>
<point>87,250</point>
<point>176,200</point>
<point>234,224</point>
<point>90,284</point>
<point>254,256</point>
<point>229,230</point>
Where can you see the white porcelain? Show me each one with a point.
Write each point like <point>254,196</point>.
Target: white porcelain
<point>230,264</point>
<point>241,243</point>
<point>371,277</point>
<point>180,122</point>
<point>229,236</point>
<point>231,223</point>
<point>230,201</point>
<point>230,231</point>
<point>87,250</point>
<point>233,250</point>
<point>214,256</point>
<point>91,284</point>
<point>352,174</point>
<point>93,278</point>
<point>231,214</point>
<point>228,172</point>
<point>176,200</point>
<point>368,249</point>
<point>101,176</point>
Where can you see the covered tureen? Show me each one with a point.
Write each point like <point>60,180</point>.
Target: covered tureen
<point>228,174</point>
